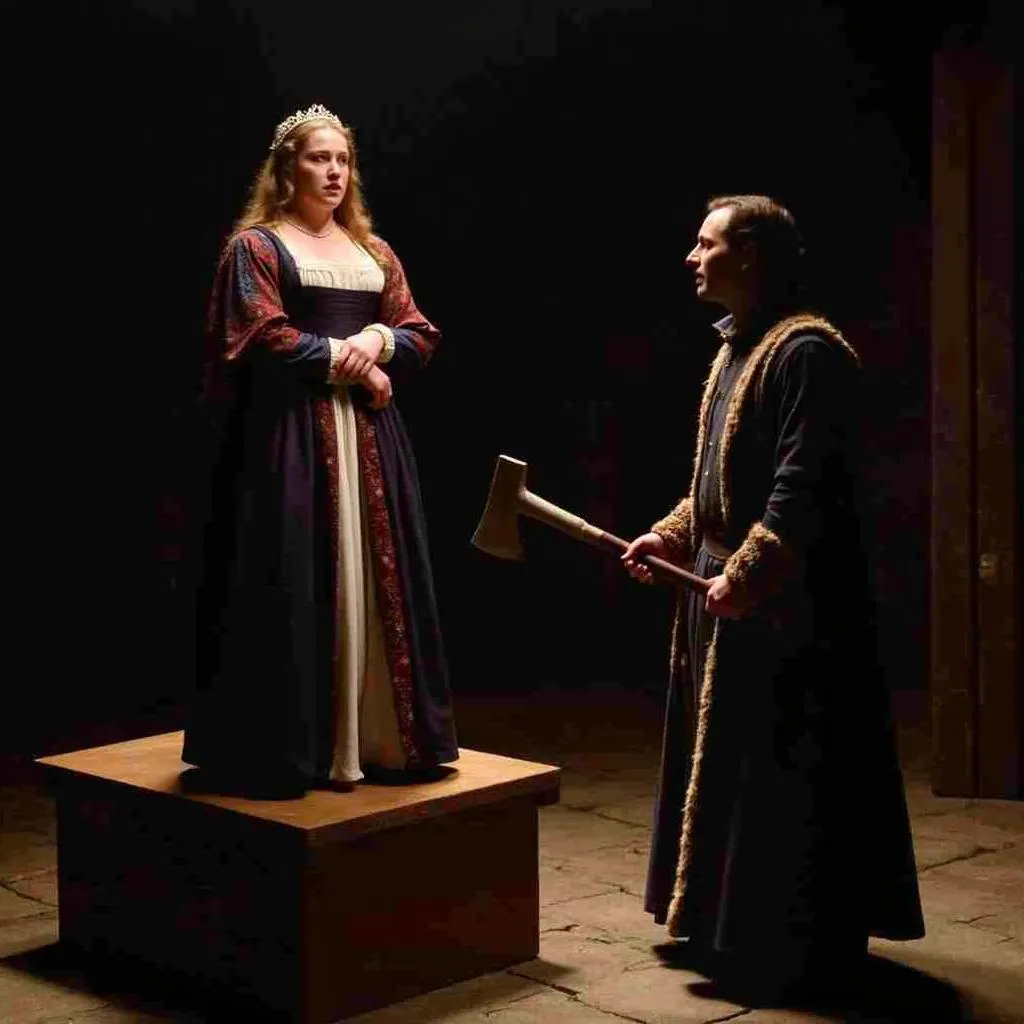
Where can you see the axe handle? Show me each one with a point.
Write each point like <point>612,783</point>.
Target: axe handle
<point>539,508</point>
<point>687,579</point>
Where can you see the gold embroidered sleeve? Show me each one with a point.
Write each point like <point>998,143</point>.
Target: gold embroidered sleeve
<point>677,531</point>
<point>762,566</point>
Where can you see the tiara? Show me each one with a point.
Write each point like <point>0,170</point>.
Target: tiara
<point>317,112</point>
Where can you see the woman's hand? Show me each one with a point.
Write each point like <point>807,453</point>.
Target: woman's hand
<point>645,544</point>
<point>349,362</point>
<point>378,383</point>
<point>370,343</point>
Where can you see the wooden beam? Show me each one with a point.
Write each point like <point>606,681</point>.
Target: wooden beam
<point>953,626</point>
<point>997,510</point>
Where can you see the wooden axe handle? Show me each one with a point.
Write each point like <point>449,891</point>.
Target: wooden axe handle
<point>687,579</point>
<point>539,508</point>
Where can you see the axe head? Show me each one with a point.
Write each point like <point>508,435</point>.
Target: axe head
<point>498,530</point>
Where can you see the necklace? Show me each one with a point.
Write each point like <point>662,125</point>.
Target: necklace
<point>306,231</point>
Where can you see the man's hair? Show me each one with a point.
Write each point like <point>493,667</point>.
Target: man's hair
<point>770,227</point>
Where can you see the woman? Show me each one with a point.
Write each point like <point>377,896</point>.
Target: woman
<point>319,653</point>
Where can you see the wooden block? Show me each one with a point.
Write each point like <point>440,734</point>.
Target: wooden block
<point>307,910</point>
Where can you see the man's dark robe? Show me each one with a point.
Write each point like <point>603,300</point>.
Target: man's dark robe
<point>780,824</point>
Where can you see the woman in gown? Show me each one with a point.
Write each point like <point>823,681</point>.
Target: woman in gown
<point>320,656</point>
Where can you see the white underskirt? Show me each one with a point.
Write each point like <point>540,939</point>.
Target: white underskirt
<point>366,726</point>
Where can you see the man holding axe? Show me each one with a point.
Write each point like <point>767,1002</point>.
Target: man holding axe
<point>781,838</point>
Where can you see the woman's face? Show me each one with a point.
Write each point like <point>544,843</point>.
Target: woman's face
<point>322,168</point>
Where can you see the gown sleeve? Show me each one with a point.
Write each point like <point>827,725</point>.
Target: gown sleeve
<point>247,320</point>
<point>416,338</point>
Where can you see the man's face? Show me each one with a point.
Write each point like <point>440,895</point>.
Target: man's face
<point>720,271</point>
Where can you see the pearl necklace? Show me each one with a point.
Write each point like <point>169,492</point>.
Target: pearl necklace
<point>306,231</point>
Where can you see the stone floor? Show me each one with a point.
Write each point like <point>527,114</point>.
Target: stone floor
<point>598,960</point>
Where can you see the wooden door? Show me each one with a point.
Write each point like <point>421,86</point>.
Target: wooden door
<point>975,584</point>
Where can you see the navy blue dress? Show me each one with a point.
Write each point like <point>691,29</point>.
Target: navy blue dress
<point>265,700</point>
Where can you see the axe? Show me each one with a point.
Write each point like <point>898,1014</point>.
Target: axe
<point>498,530</point>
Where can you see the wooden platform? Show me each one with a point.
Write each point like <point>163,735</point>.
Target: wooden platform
<point>309,910</point>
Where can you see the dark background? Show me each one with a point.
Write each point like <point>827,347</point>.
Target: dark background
<point>541,169</point>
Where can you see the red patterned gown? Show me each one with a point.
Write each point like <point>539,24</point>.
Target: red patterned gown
<point>319,651</point>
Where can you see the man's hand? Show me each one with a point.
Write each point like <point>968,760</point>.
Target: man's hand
<point>645,544</point>
<point>378,383</point>
<point>722,600</point>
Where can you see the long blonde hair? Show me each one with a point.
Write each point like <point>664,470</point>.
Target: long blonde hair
<point>274,189</point>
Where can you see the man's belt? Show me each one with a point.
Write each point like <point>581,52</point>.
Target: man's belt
<point>716,549</point>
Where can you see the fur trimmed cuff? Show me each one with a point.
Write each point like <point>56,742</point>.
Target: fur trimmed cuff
<point>762,566</point>
<point>677,531</point>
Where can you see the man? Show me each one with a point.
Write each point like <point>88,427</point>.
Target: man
<point>781,839</point>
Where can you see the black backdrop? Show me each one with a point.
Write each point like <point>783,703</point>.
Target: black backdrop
<point>540,166</point>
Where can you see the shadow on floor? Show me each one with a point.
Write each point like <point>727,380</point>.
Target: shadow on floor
<point>136,990</point>
<point>886,992</point>
<point>132,991</point>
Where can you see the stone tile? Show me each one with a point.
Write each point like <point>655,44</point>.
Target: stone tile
<point>1001,868</point>
<point>939,840</point>
<point>45,826</point>
<point>19,935</point>
<point>921,801</point>
<point>1004,814</point>
<point>985,892</point>
<point>786,1016</point>
<point>658,995</point>
<point>23,852</point>
<point>559,884</point>
<point>26,998</point>
<point>985,971</point>
<point>132,1014</point>
<point>644,773</point>
<point>588,793</point>
<point>27,806</point>
<point>932,851</point>
<point>953,905</point>
<point>41,887</point>
<point>596,961</point>
<point>550,1005</point>
<point>14,907</point>
<point>472,1000</point>
<point>952,939</point>
<point>900,996</point>
<point>888,992</point>
<point>564,832</point>
<point>613,915</point>
<point>576,959</point>
<point>970,829</point>
<point>636,810</point>
<point>624,867</point>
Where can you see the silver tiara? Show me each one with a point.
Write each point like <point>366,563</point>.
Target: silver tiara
<point>317,112</point>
